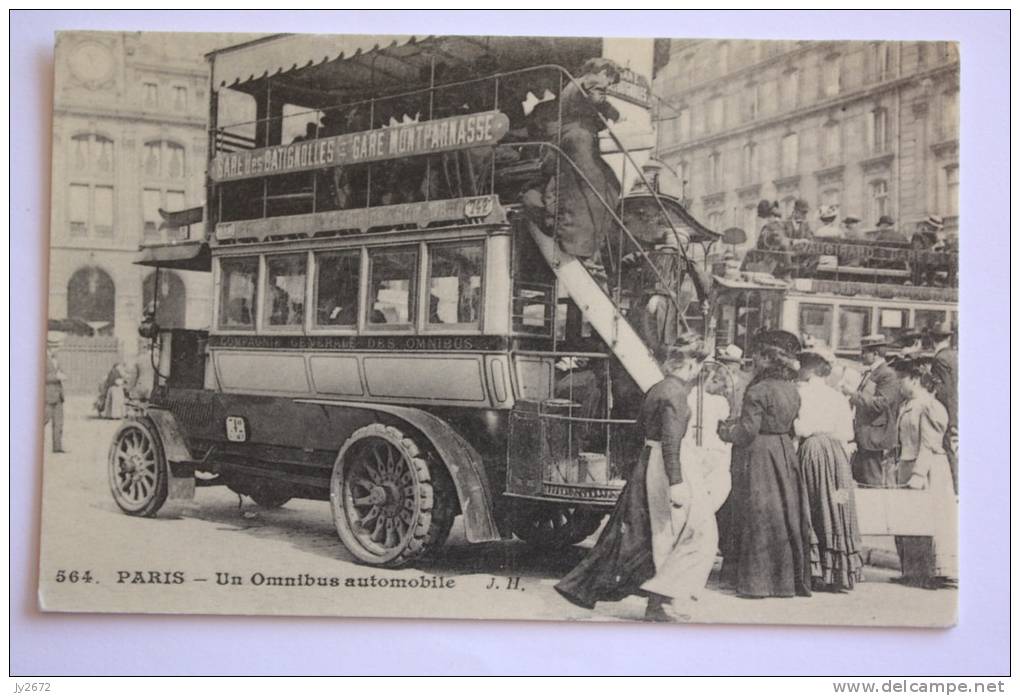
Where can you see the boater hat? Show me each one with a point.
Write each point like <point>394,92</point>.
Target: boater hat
<point>851,219</point>
<point>885,220</point>
<point>730,354</point>
<point>54,339</point>
<point>935,221</point>
<point>873,341</point>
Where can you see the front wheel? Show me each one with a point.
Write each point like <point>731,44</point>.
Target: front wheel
<point>139,479</point>
<point>391,504</point>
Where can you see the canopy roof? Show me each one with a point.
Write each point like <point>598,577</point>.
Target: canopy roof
<point>344,66</point>
<point>192,255</point>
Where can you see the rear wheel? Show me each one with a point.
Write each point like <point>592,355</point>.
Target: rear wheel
<point>137,468</point>
<point>551,525</point>
<point>391,503</point>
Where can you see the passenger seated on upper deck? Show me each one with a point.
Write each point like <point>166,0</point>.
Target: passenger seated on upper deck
<point>349,184</point>
<point>773,234</point>
<point>887,232</point>
<point>798,227</point>
<point>579,212</point>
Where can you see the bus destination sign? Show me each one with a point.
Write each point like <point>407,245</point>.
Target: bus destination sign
<point>406,140</point>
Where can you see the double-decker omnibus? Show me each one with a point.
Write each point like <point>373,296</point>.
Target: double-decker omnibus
<point>389,332</point>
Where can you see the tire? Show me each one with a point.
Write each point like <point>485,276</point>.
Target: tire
<point>137,469</point>
<point>552,525</point>
<point>391,504</point>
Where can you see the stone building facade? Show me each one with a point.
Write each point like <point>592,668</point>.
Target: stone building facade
<point>871,127</point>
<point>129,138</point>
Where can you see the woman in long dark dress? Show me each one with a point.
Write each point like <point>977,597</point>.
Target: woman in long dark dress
<point>624,558</point>
<point>770,535</point>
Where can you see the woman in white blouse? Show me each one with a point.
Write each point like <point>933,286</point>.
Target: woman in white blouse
<point>825,426</point>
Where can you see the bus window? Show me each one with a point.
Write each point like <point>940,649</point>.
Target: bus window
<point>337,277</point>
<point>392,275</point>
<point>285,289</point>
<point>816,321</point>
<point>928,318</point>
<point>854,324</point>
<point>455,283</point>
<point>892,323</point>
<point>238,278</point>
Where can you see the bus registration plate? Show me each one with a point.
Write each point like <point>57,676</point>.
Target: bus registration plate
<point>236,430</point>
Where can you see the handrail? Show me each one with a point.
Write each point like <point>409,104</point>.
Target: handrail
<point>616,219</point>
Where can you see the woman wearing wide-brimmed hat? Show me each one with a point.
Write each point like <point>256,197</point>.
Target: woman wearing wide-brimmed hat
<point>768,551</point>
<point>825,426</point>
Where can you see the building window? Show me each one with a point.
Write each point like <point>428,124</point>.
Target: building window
<point>716,113</point>
<point>831,196</point>
<point>285,290</point>
<point>879,199</point>
<point>789,154</point>
<point>881,61</point>
<point>950,191</point>
<point>238,297</point>
<point>337,279</point>
<point>854,324</point>
<point>715,171</point>
<point>769,99</point>
<point>816,321</point>
<point>92,154</point>
<point>92,296</point>
<point>163,159</point>
<point>878,130</point>
<point>751,101</point>
<point>950,114</point>
<point>715,221</point>
<point>683,125</point>
<point>751,221</point>
<point>831,76</point>
<point>180,98</point>
<point>392,279</point>
<point>455,284</point>
<point>150,94</point>
<point>90,210</point>
<point>723,58</point>
<point>750,163</point>
<point>791,88</point>
<point>831,146</point>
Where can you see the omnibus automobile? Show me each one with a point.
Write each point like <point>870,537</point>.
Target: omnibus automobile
<point>389,332</point>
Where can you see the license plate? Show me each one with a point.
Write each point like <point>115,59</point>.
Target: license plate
<point>236,430</point>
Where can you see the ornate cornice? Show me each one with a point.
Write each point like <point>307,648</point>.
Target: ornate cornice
<point>787,184</point>
<point>877,163</point>
<point>947,149</point>
<point>830,175</point>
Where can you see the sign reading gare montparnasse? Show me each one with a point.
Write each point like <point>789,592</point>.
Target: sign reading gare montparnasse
<point>406,140</point>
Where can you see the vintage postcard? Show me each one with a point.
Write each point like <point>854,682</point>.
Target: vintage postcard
<point>493,327</point>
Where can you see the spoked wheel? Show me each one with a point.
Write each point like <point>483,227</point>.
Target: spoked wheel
<point>390,506</point>
<point>138,470</point>
<point>551,526</point>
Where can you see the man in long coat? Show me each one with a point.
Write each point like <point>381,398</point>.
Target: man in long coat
<point>876,405</point>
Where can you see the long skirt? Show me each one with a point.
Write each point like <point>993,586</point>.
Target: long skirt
<point>829,489</point>
<point>934,556</point>
<point>621,560</point>
<point>685,541</point>
<point>770,532</point>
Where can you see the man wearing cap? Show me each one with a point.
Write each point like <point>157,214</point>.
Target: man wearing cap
<point>928,237</point>
<point>829,228</point>
<point>944,367</point>
<point>876,405</point>
<point>54,394</point>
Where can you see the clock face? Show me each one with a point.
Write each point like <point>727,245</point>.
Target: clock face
<point>92,63</point>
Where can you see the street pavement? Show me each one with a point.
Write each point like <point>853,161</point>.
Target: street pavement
<point>219,536</point>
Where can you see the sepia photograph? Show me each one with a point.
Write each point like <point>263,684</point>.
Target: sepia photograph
<point>503,327</point>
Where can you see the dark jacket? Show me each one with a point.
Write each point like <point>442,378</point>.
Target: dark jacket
<point>54,381</point>
<point>876,405</point>
<point>664,417</point>
<point>945,368</point>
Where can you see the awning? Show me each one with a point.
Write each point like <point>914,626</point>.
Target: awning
<point>181,218</point>
<point>643,217</point>
<point>180,256</point>
<point>328,67</point>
